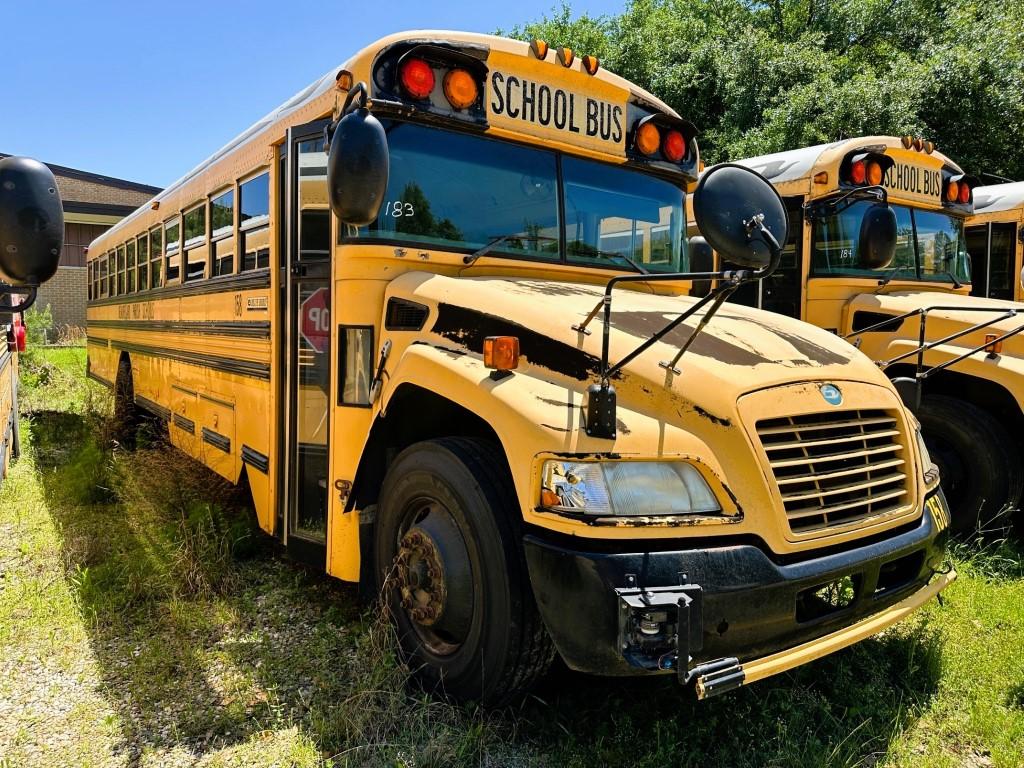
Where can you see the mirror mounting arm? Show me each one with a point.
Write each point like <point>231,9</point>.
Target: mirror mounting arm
<point>8,292</point>
<point>818,208</point>
<point>360,90</point>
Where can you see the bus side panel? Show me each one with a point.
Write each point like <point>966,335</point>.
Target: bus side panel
<point>102,361</point>
<point>8,372</point>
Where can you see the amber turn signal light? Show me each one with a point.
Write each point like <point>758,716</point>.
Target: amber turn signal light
<point>952,192</point>
<point>992,346</point>
<point>501,353</point>
<point>648,138</point>
<point>460,88</point>
<point>874,173</point>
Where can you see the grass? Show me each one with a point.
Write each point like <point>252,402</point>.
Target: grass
<point>143,622</point>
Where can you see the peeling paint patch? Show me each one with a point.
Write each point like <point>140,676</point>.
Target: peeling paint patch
<point>711,417</point>
<point>554,428</point>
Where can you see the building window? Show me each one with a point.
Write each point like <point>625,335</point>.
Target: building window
<point>172,239</point>
<point>195,250</point>
<point>254,222</point>
<point>143,269</point>
<point>222,235</point>
<point>156,242</point>
<point>130,271</point>
<point>120,270</point>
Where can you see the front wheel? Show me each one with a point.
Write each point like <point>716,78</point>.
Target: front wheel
<point>450,567</point>
<point>980,470</point>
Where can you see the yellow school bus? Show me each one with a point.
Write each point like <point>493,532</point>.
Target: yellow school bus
<point>918,314</point>
<point>432,312</point>
<point>994,241</point>
<point>31,238</point>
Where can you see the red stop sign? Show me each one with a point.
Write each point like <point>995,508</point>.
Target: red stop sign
<point>315,319</point>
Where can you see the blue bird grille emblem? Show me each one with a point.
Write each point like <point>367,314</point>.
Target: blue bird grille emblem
<point>831,394</point>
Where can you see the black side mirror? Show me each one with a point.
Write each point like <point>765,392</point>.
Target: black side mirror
<point>357,168</point>
<point>726,204</point>
<point>31,222</point>
<point>877,242</point>
<point>702,259</point>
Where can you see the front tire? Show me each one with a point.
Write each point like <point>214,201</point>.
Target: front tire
<point>980,470</point>
<point>449,565</point>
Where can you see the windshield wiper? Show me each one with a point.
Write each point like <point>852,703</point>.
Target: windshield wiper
<point>888,277</point>
<point>956,283</point>
<point>616,255</point>
<point>500,240</point>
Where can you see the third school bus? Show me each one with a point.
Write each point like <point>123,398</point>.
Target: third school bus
<point>915,314</point>
<point>995,237</point>
<point>397,309</point>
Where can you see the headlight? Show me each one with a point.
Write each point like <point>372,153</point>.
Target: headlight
<point>626,488</point>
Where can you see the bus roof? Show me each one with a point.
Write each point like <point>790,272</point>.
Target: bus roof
<point>996,198</point>
<point>320,89</point>
<point>797,164</point>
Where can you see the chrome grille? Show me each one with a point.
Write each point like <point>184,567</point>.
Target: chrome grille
<point>837,468</point>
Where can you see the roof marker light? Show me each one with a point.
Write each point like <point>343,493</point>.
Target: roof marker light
<point>591,64</point>
<point>540,49</point>
<point>343,80</point>
<point>566,56</point>
<point>907,141</point>
<point>918,144</point>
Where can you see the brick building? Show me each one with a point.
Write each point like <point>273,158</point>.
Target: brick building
<point>92,204</point>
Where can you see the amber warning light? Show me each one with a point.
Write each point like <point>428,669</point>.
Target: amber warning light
<point>501,353</point>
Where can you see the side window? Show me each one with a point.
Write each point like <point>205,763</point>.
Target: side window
<point>222,233</point>
<point>102,261</point>
<point>130,272</point>
<point>194,247</point>
<point>111,274</point>
<point>143,268</point>
<point>254,222</point>
<point>172,240</point>
<point>156,255</point>
<point>120,270</point>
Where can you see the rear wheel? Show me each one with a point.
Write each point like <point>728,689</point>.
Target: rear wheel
<point>981,473</point>
<point>450,567</point>
<point>126,413</point>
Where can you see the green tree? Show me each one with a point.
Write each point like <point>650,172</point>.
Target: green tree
<point>760,77</point>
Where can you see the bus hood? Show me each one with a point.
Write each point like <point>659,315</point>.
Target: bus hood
<point>739,351</point>
<point>958,313</point>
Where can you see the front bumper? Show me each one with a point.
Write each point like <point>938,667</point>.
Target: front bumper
<point>724,615</point>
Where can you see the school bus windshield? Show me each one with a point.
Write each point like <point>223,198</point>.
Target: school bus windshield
<point>460,192</point>
<point>930,246</point>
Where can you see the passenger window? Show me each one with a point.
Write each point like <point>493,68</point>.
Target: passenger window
<point>103,275</point>
<point>254,222</point>
<point>156,243</point>
<point>172,238</point>
<point>130,272</point>
<point>143,268</point>
<point>120,270</point>
<point>222,235</point>
<point>195,249</point>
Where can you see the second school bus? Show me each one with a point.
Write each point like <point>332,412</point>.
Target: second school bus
<point>396,309</point>
<point>917,315</point>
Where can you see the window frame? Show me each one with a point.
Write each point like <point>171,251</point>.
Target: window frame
<point>229,232</point>
<point>156,256</point>
<point>140,266</point>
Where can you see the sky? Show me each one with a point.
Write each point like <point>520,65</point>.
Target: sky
<point>145,91</point>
